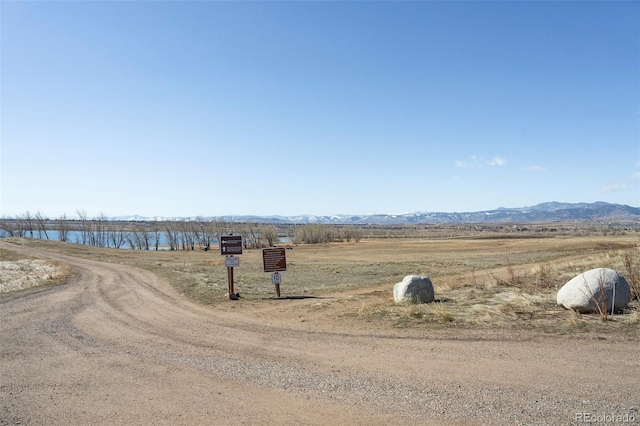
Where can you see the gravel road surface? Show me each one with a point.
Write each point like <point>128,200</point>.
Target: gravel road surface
<point>115,344</point>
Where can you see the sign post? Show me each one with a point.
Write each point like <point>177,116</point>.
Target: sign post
<point>276,279</point>
<point>230,245</point>
<point>274,259</point>
<point>231,295</point>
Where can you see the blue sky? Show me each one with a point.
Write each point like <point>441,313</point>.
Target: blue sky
<point>226,108</point>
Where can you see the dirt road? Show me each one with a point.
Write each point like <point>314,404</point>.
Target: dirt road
<point>117,345</point>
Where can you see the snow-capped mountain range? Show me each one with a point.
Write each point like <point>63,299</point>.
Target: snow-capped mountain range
<point>544,212</point>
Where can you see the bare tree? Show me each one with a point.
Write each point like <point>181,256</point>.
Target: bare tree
<point>131,240</point>
<point>11,227</point>
<point>63,228</point>
<point>251,234</point>
<point>5,229</point>
<point>155,229</point>
<point>28,224</point>
<point>315,233</point>
<point>100,230</point>
<point>117,234</point>
<point>269,233</point>
<point>172,234</point>
<point>221,227</point>
<point>85,226</point>
<point>139,238</point>
<point>41,224</point>
<point>351,232</point>
<point>291,234</point>
<point>186,235</point>
<point>205,233</point>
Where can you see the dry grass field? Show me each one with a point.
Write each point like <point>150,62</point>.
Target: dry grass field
<point>499,280</point>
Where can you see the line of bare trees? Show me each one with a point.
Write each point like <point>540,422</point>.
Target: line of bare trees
<point>25,225</point>
<point>101,231</point>
<point>200,233</point>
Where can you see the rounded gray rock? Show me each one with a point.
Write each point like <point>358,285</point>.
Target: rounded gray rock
<point>584,292</point>
<point>413,289</point>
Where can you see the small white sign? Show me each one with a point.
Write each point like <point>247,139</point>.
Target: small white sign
<point>276,278</point>
<point>231,262</point>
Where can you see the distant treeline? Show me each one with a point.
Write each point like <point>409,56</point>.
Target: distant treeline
<point>173,235</point>
<point>203,233</point>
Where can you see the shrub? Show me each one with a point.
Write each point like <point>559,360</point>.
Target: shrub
<point>315,234</point>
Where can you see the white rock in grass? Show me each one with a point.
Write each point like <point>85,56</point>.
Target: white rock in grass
<point>413,289</point>
<point>583,292</point>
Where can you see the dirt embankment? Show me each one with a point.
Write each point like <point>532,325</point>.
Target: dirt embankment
<point>117,345</point>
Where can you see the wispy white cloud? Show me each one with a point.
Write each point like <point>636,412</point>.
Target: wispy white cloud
<point>464,163</point>
<point>614,187</point>
<point>475,161</point>
<point>536,169</point>
<point>497,161</point>
<point>622,184</point>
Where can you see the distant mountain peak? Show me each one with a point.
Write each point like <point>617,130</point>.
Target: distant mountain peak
<point>552,211</point>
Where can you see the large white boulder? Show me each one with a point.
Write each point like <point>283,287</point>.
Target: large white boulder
<point>413,289</point>
<point>583,293</point>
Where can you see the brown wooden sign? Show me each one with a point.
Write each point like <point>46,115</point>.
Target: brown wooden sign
<point>231,244</point>
<point>274,259</point>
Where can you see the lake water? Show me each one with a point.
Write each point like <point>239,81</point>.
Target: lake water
<point>76,237</point>
<point>163,243</point>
